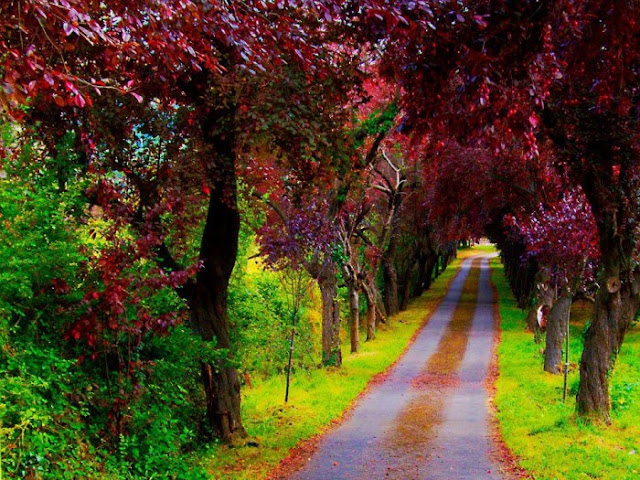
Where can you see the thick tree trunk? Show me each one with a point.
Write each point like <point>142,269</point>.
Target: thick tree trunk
<point>218,251</point>
<point>381,316</point>
<point>615,307</point>
<point>556,328</point>
<point>421,276</point>
<point>390,293</point>
<point>617,299</point>
<point>450,253</point>
<point>544,297</point>
<point>208,307</point>
<point>328,283</point>
<point>532,322</point>
<point>405,295</point>
<point>432,263</point>
<point>354,306</point>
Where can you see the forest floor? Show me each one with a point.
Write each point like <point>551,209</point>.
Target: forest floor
<point>429,418</point>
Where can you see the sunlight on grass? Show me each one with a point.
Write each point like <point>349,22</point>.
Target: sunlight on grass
<point>320,396</point>
<point>544,433</point>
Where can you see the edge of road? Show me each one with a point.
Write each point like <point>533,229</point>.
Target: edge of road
<point>509,463</point>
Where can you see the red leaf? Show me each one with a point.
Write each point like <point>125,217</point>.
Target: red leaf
<point>59,101</point>
<point>79,101</point>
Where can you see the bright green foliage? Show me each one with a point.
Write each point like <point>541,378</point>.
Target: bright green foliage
<point>379,121</point>
<point>40,425</point>
<point>165,418</point>
<point>261,311</point>
<point>39,260</point>
<point>53,406</point>
<point>543,432</point>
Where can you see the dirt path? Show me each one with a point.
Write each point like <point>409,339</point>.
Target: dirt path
<point>429,419</point>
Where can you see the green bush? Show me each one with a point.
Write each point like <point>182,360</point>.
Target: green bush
<point>262,318</point>
<point>56,394</point>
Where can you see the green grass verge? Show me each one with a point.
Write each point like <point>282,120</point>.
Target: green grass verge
<point>318,396</point>
<point>550,441</point>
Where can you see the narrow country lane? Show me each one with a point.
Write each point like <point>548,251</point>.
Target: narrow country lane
<point>429,419</point>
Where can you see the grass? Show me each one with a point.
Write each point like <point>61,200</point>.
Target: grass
<point>546,435</point>
<point>319,396</point>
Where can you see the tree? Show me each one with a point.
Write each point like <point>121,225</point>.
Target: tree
<point>304,235</point>
<point>562,238</point>
<point>230,77</point>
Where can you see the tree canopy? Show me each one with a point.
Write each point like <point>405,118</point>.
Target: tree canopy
<point>148,147</point>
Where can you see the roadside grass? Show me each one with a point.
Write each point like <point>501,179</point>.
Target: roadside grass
<point>319,396</point>
<point>550,441</point>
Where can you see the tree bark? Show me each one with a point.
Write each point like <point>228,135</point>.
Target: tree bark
<point>615,307</point>
<point>209,319</point>
<point>390,293</point>
<point>328,283</point>
<point>556,328</point>
<point>370,296</point>
<point>617,300</point>
<point>354,306</point>
<point>421,275</point>
<point>432,262</point>
<point>218,251</point>
<point>544,297</point>
<point>405,294</point>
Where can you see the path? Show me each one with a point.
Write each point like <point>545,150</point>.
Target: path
<point>429,418</point>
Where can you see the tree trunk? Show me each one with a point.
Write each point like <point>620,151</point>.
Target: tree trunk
<point>218,251</point>
<point>354,305</point>
<point>617,299</point>
<point>371,312</point>
<point>432,262</point>
<point>556,328</point>
<point>405,294</point>
<point>390,294</point>
<point>450,253</point>
<point>615,307</point>
<point>421,276</point>
<point>328,283</point>
<point>544,297</point>
<point>208,307</point>
<point>381,317</point>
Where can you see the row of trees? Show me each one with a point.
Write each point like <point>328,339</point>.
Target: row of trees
<point>544,97</point>
<point>142,127</point>
<point>372,134</point>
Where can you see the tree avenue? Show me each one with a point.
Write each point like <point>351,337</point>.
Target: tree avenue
<point>539,86</point>
<point>152,150</point>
